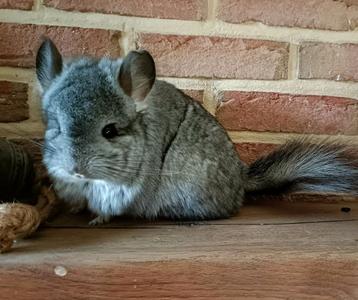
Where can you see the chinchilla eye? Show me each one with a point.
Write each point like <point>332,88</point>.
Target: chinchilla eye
<point>110,131</point>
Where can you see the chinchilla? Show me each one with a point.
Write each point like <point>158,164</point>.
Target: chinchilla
<point>121,142</point>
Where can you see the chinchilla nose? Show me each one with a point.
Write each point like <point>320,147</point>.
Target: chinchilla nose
<point>77,172</point>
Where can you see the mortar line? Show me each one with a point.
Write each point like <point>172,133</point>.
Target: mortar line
<point>35,130</point>
<point>34,102</point>
<point>38,4</point>
<point>212,5</point>
<point>127,41</point>
<point>51,16</point>
<point>17,74</point>
<point>209,99</point>
<point>298,87</point>
<point>301,87</point>
<point>293,60</point>
<point>24,129</point>
<point>280,137</point>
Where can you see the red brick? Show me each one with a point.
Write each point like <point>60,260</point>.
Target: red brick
<point>317,14</point>
<point>19,43</point>
<point>216,57</point>
<point>13,101</point>
<point>17,4</point>
<point>195,94</point>
<point>328,61</point>
<point>249,152</point>
<point>258,111</point>
<point>164,9</point>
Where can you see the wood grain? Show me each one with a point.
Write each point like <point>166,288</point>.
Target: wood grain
<point>265,211</point>
<point>302,251</point>
<point>294,279</point>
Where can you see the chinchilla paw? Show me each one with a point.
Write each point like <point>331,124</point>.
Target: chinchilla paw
<point>99,221</point>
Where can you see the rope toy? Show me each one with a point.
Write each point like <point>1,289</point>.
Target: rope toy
<point>18,220</point>
<point>19,179</point>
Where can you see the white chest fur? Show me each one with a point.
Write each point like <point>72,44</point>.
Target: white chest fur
<point>107,198</point>
<point>103,198</point>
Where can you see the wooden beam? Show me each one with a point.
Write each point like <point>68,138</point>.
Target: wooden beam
<point>315,278</point>
<point>302,251</point>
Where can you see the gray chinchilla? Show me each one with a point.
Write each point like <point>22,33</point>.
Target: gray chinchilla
<point>121,142</point>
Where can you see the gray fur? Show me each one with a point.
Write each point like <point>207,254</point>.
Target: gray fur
<point>171,159</point>
<point>48,63</point>
<point>301,165</point>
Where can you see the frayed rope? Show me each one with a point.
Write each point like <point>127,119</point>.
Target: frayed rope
<point>19,220</point>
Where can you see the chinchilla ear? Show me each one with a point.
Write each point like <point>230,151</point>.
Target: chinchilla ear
<point>48,63</point>
<point>137,74</point>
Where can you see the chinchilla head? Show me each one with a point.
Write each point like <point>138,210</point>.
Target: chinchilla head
<point>91,109</point>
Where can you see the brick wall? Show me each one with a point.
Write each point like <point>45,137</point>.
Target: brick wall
<point>268,70</point>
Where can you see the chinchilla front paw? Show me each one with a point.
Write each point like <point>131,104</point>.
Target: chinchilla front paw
<point>100,220</point>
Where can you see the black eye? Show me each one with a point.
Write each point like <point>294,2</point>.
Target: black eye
<point>109,131</point>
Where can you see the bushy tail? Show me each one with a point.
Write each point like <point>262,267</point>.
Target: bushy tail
<point>304,166</point>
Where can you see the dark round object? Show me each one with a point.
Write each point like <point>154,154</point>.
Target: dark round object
<point>110,131</point>
<point>345,209</point>
<point>16,171</point>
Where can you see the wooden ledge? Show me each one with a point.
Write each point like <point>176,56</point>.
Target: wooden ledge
<point>276,250</point>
